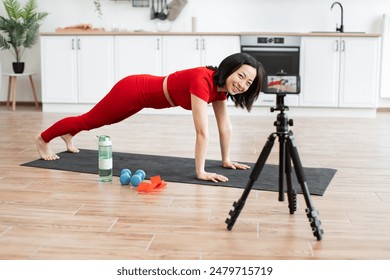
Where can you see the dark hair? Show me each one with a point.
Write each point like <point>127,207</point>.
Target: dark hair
<point>229,65</point>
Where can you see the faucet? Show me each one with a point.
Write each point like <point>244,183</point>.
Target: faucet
<point>341,28</point>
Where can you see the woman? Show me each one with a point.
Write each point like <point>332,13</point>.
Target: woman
<point>239,77</point>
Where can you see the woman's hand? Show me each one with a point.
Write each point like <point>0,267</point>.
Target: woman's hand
<point>214,177</point>
<point>235,165</point>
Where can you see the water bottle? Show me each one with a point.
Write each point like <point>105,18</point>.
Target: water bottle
<point>105,158</point>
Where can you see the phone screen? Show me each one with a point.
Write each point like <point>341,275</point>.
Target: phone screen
<point>282,84</point>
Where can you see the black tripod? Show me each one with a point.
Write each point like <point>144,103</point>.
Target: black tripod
<point>287,152</point>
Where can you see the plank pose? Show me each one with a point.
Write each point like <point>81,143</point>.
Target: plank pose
<point>239,77</point>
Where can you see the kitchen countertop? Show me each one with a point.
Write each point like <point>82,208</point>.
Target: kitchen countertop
<point>129,33</point>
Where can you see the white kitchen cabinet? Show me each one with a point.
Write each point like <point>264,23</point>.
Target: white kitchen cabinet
<point>76,69</point>
<point>319,72</point>
<point>96,67</point>
<point>339,72</point>
<point>359,72</point>
<point>59,69</point>
<point>81,69</point>
<point>137,55</point>
<point>216,48</point>
<point>181,52</point>
<point>162,55</point>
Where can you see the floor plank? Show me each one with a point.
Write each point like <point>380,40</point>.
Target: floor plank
<point>49,214</point>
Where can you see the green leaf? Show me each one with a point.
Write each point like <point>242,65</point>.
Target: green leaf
<point>12,7</point>
<point>21,29</point>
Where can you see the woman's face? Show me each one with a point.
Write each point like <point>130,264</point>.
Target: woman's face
<point>240,80</point>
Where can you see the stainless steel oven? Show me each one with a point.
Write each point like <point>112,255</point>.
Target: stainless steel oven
<point>278,54</point>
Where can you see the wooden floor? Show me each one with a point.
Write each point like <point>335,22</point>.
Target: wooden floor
<point>48,214</point>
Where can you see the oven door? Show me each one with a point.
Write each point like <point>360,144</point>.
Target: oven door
<point>276,59</point>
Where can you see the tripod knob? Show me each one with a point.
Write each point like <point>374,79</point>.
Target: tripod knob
<point>290,122</point>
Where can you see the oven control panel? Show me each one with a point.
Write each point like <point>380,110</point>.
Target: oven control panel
<point>293,41</point>
<point>270,40</point>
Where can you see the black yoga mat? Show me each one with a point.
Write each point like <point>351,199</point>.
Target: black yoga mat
<point>177,169</point>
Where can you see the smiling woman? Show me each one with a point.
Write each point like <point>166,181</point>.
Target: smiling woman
<point>239,77</point>
<point>242,80</point>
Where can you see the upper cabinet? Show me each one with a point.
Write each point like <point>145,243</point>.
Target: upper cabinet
<point>339,72</point>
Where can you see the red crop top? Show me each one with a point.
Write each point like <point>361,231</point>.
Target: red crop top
<point>197,81</point>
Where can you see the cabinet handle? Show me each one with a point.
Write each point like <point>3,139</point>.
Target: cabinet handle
<point>72,44</point>
<point>78,44</point>
<point>343,45</point>
<point>203,44</point>
<point>336,45</point>
<point>197,44</point>
<point>158,44</point>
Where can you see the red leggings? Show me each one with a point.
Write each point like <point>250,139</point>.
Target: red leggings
<point>127,97</point>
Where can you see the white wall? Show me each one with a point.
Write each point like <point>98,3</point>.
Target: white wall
<point>224,15</point>
<point>213,15</point>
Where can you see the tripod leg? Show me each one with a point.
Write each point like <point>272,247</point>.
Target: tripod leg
<point>282,160</point>
<point>311,212</point>
<point>239,205</point>
<point>291,193</point>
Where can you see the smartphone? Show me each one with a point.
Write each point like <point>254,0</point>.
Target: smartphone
<point>288,84</point>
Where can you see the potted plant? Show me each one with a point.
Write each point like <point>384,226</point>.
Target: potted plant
<point>20,30</point>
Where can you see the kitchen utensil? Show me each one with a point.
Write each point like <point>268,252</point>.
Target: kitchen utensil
<point>165,9</point>
<point>161,15</point>
<point>153,11</point>
<point>175,7</point>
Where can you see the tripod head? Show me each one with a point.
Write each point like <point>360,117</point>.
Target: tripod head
<point>280,103</point>
<point>282,84</point>
<point>282,122</point>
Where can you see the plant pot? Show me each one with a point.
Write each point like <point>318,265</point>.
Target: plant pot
<point>18,67</point>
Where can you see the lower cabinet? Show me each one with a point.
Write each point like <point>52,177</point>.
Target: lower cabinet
<point>340,72</point>
<point>76,69</point>
<point>336,72</point>
<point>82,69</point>
<point>138,55</point>
<point>181,52</point>
<point>162,55</point>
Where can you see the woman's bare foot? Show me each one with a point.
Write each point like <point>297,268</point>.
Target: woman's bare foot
<point>44,150</point>
<point>69,144</point>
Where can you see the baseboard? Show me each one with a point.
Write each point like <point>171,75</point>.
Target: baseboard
<point>21,103</point>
